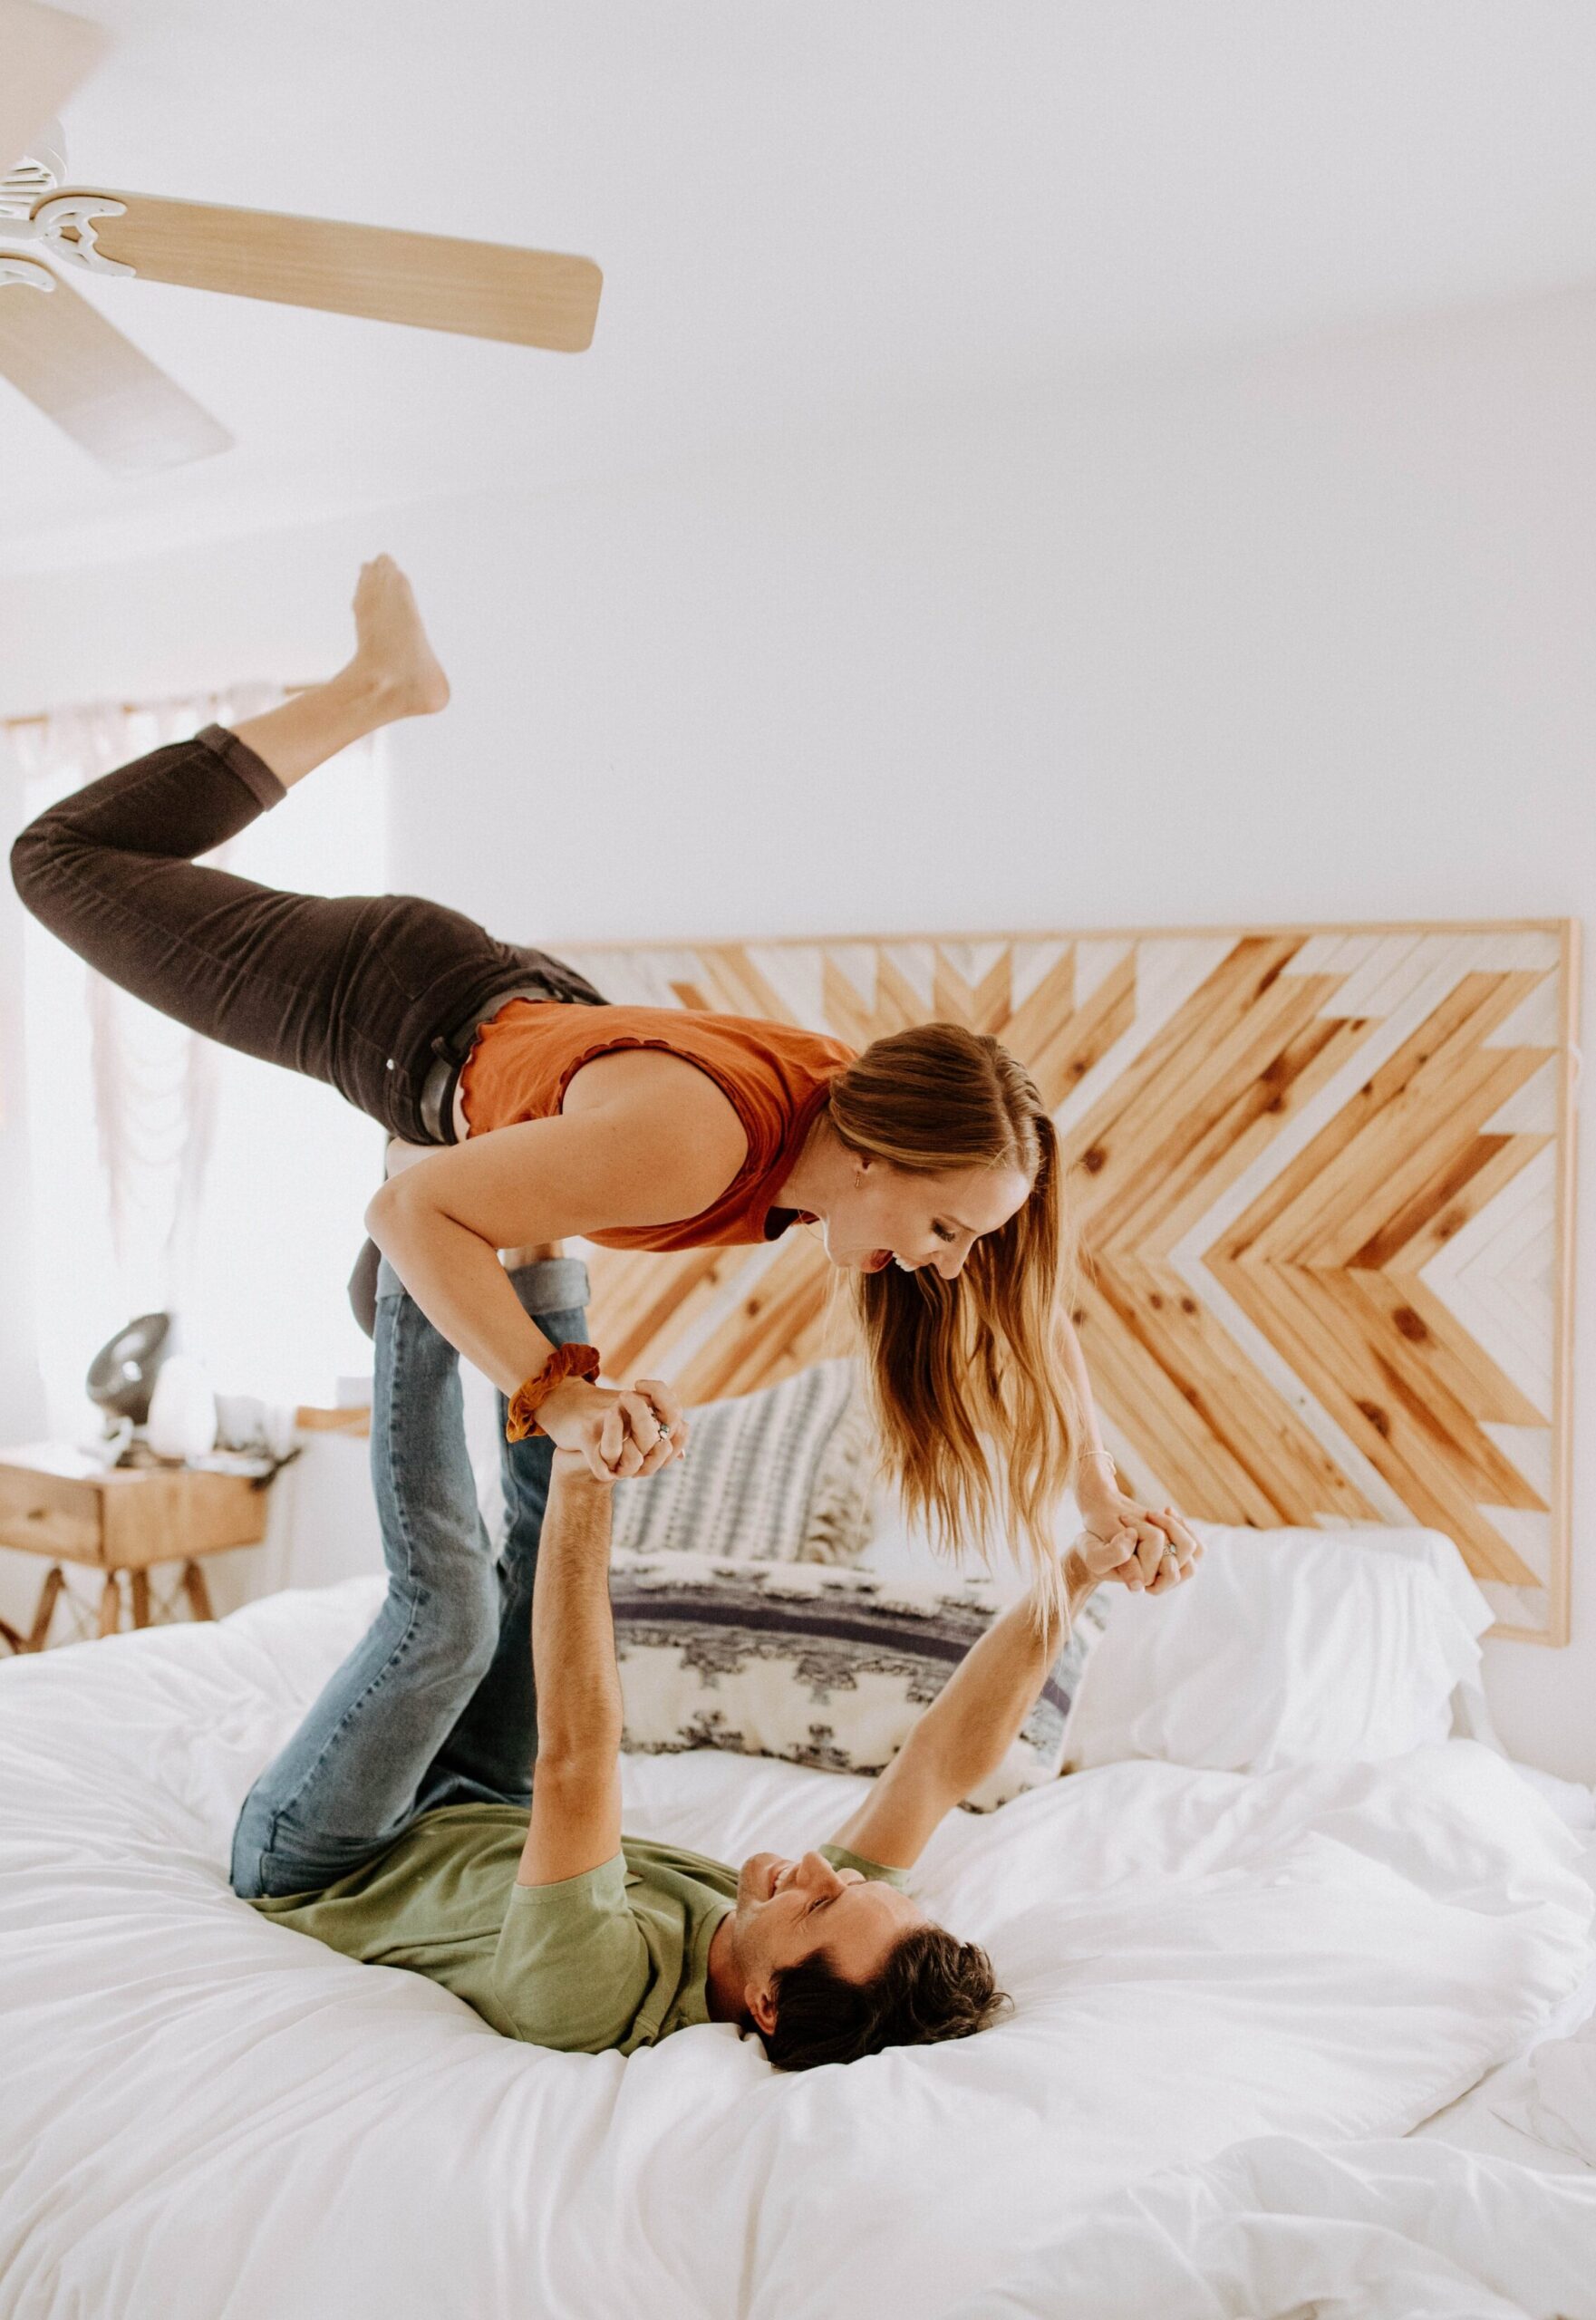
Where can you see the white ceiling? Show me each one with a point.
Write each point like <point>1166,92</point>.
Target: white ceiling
<point>802,211</point>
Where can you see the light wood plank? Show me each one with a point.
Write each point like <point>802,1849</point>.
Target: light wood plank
<point>1383,1145</point>
<point>1257,1120</point>
<point>1458,1361</point>
<point>158,1516</point>
<point>733,985</point>
<point>1240,1407</point>
<point>985,1008</point>
<point>1337,1360</point>
<point>197,1592</point>
<point>1059,1059</point>
<point>1176,1127</point>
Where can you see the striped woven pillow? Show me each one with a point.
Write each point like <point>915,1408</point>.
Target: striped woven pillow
<point>817,1666</point>
<point>782,1475</point>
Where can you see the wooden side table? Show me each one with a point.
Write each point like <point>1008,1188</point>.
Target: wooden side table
<point>57,1502</point>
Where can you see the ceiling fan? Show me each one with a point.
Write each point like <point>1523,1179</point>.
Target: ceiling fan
<point>59,350</point>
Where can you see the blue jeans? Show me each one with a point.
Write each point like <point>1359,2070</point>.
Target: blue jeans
<point>435,1704</point>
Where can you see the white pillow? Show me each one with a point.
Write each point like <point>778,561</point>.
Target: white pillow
<point>898,1548</point>
<point>1289,1646</point>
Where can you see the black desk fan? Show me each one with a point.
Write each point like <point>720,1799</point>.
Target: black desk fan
<point>122,1374</point>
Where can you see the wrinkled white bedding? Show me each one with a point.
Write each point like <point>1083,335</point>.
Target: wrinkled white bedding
<point>1275,2230</point>
<point>205,2113</point>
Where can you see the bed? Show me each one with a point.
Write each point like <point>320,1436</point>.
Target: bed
<point>1238,1994</point>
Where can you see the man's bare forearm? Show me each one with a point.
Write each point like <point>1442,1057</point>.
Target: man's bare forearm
<point>580,1714</point>
<point>975,1720</point>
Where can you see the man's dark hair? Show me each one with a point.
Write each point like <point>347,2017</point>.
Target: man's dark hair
<point>933,1986</point>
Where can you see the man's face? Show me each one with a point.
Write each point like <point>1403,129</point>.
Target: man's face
<point>788,1910</point>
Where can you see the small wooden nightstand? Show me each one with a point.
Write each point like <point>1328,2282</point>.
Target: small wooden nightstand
<point>56,1501</point>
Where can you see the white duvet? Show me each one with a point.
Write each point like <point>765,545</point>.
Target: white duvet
<point>1276,2230</point>
<point>202,2114</point>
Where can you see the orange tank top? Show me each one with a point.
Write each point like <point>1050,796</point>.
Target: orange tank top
<point>773,1075</point>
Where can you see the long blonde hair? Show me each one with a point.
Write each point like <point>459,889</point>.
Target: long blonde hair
<point>977,1417</point>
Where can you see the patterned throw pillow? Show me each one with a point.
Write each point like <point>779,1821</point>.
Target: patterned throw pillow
<point>783,1475</point>
<point>817,1665</point>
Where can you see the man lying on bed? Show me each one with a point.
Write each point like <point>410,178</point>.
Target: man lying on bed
<point>394,1826</point>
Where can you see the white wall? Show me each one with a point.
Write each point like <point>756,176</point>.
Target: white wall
<point>1300,633</point>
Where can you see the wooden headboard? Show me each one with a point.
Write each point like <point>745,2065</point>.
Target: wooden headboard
<point>1324,1181</point>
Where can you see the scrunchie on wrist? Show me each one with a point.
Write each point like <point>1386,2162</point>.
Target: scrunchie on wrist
<point>566,1361</point>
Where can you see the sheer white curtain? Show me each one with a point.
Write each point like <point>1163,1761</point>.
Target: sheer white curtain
<point>167,1173</point>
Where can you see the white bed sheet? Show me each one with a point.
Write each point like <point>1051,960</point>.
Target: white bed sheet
<point>1276,2230</point>
<point>1486,2211</point>
<point>1502,2115</point>
<point>205,2113</point>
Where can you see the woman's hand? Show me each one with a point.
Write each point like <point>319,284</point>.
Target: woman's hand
<point>1117,1560</point>
<point>620,1435</point>
<point>1105,1510</point>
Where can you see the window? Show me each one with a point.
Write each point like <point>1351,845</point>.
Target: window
<point>170,1174</point>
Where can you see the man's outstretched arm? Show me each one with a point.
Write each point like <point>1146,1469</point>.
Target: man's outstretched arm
<point>965,1733</point>
<point>577,1780</point>
<point>968,1729</point>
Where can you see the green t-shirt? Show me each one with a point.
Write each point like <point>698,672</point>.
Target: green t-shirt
<point>617,1957</point>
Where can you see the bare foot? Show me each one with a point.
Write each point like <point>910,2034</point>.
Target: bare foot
<point>392,652</point>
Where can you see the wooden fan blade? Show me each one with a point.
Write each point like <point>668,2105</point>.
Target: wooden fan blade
<point>479,289</point>
<point>82,372</point>
<point>44,54</point>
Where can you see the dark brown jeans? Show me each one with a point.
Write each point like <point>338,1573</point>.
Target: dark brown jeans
<point>362,990</point>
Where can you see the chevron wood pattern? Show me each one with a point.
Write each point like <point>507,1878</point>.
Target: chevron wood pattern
<point>1323,1178</point>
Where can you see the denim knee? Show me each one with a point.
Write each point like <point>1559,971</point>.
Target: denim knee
<point>454,1629</point>
<point>252,1837</point>
<point>273,1856</point>
<point>552,1285</point>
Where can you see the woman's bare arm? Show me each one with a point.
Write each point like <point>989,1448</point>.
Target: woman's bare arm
<point>645,1139</point>
<point>1104,1507</point>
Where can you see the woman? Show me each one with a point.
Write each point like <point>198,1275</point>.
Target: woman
<point>929,1162</point>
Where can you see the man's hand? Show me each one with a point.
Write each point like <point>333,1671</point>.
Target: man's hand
<point>618,1436</point>
<point>570,1472</point>
<point>1118,1559</point>
<point>1106,1509</point>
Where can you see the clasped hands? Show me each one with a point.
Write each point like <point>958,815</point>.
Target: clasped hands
<point>619,1435</point>
<point>1147,1550</point>
<point>639,1430</point>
